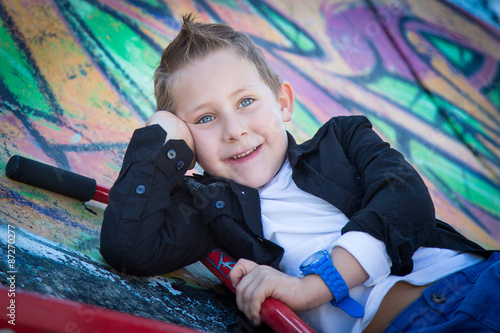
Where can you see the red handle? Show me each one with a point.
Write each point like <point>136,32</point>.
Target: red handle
<point>274,313</point>
<point>101,194</point>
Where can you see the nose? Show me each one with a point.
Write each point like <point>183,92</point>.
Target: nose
<point>234,128</point>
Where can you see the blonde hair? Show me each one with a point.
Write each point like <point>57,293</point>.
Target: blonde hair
<point>197,40</point>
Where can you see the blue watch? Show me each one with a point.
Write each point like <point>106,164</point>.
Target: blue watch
<point>321,264</point>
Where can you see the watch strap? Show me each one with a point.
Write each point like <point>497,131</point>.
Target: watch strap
<point>350,306</point>
<point>339,289</point>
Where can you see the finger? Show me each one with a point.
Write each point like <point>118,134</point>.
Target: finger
<point>252,292</point>
<point>241,268</point>
<point>252,299</point>
<point>246,287</point>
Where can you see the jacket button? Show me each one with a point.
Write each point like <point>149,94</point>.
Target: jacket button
<point>179,165</point>
<point>140,189</point>
<point>171,154</point>
<point>220,204</point>
<point>438,298</point>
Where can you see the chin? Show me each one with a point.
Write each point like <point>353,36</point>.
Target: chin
<point>255,183</point>
<point>251,180</point>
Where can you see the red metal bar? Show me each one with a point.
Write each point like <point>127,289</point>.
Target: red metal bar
<point>101,194</point>
<point>102,189</point>
<point>274,313</point>
<point>43,314</point>
<point>220,264</point>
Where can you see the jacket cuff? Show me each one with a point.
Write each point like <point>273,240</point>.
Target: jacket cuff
<point>369,252</point>
<point>173,160</point>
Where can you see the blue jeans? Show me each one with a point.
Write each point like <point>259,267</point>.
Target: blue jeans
<point>466,301</point>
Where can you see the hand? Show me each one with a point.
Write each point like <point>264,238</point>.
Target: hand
<point>254,283</point>
<point>176,129</point>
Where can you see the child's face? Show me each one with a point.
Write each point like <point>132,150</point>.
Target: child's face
<point>236,121</point>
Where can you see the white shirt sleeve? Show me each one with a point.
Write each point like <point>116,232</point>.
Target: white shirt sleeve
<point>370,252</point>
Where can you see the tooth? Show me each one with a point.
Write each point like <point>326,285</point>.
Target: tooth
<point>244,154</point>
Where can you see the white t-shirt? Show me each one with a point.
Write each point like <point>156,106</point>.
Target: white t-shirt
<point>302,224</point>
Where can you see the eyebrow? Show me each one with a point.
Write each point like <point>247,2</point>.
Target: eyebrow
<point>201,106</point>
<point>242,89</point>
<point>207,104</point>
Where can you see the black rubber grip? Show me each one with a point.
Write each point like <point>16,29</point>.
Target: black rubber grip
<point>50,178</point>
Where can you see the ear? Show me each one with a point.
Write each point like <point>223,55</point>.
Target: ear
<point>285,100</point>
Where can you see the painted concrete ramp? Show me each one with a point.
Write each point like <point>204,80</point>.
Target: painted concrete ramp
<point>194,300</point>
<point>76,80</point>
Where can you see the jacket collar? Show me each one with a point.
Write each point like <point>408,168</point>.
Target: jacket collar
<point>293,151</point>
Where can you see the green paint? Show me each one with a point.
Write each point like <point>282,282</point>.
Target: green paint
<point>52,126</point>
<point>304,119</point>
<point>129,58</point>
<point>297,37</point>
<point>465,59</point>
<point>32,193</point>
<point>494,97</point>
<point>17,75</point>
<point>492,91</point>
<point>407,95</point>
<point>385,129</point>
<point>411,98</point>
<point>229,4</point>
<point>94,253</point>
<point>153,3</point>
<point>113,166</point>
<point>461,180</point>
<point>457,117</point>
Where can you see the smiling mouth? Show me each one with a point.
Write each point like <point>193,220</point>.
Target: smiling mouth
<point>248,152</point>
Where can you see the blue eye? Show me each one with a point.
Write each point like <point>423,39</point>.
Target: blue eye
<point>246,102</point>
<point>205,119</point>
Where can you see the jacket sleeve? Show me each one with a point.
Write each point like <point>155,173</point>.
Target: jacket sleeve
<point>396,207</point>
<point>150,226</point>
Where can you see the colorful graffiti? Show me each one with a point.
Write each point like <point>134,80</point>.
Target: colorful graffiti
<point>76,80</point>
<point>488,11</point>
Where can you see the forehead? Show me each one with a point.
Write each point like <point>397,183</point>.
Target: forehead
<point>223,63</point>
<point>215,75</point>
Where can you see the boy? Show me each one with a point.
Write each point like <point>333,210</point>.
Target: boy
<point>274,203</point>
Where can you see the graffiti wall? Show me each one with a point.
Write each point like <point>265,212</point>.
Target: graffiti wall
<point>487,11</point>
<point>76,80</point>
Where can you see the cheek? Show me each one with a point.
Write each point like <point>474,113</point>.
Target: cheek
<point>273,129</point>
<point>206,162</point>
<point>205,151</point>
<point>201,160</point>
<point>202,140</point>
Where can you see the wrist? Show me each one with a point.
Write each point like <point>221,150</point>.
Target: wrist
<point>320,263</point>
<point>315,292</point>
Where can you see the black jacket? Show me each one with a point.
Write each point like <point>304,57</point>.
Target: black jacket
<point>157,222</point>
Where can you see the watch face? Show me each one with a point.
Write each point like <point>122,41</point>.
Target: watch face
<point>312,259</point>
